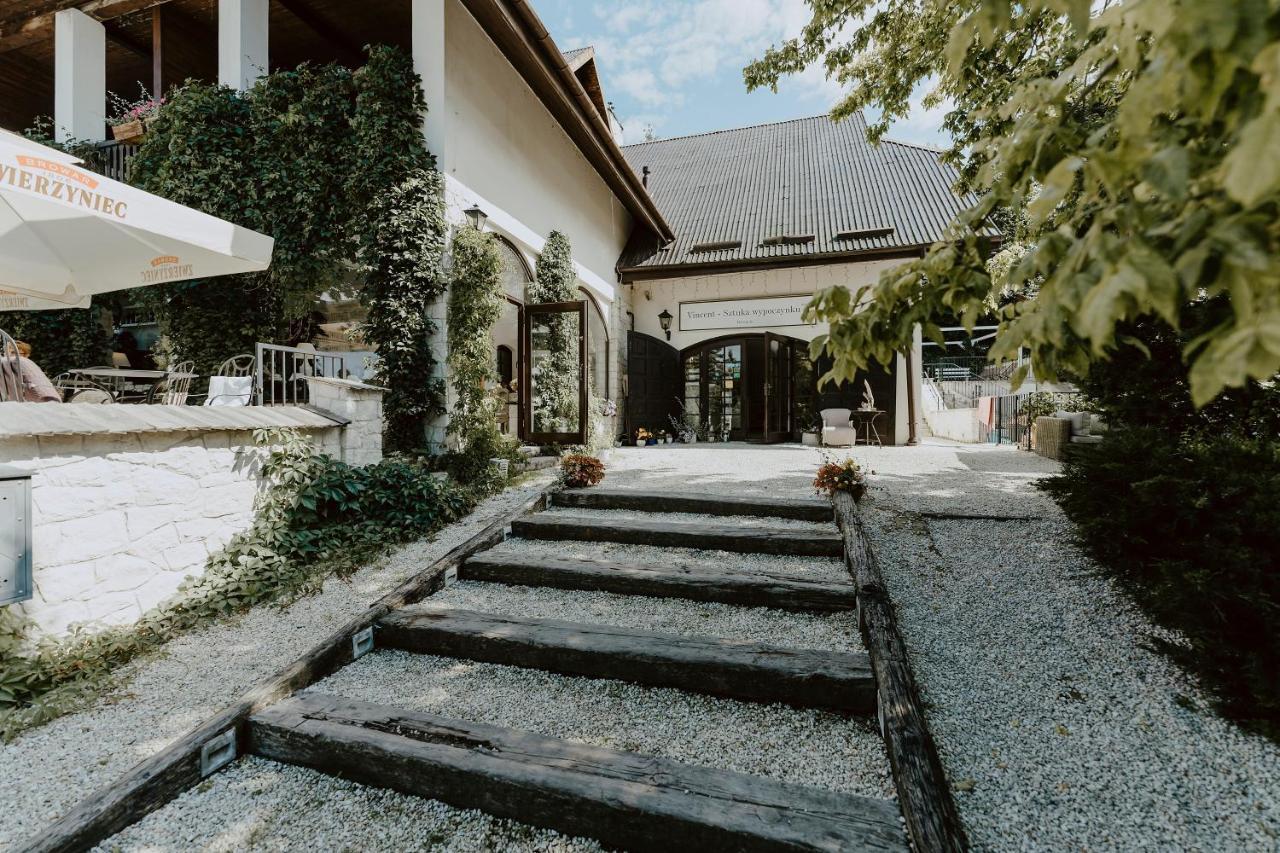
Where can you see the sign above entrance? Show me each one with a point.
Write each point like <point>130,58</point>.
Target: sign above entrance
<point>758,313</point>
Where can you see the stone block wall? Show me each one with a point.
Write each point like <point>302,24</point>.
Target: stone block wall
<point>360,405</point>
<point>128,501</point>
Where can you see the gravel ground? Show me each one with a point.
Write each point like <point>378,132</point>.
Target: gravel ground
<point>838,632</point>
<point>804,746</point>
<point>816,568</point>
<point>260,805</point>
<point>737,468</point>
<point>48,769</point>
<point>1059,725</point>
<point>613,516</point>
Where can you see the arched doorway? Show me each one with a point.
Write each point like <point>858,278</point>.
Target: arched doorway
<point>534,410</point>
<point>509,339</point>
<point>747,387</point>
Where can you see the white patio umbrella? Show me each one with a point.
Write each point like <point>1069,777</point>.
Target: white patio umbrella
<point>67,233</point>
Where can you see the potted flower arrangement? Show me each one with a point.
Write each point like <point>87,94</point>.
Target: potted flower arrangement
<point>578,470</point>
<point>130,119</point>
<point>812,435</point>
<point>843,476</point>
<point>644,438</point>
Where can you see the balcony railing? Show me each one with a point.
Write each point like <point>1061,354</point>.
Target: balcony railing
<point>282,373</point>
<point>112,160</point>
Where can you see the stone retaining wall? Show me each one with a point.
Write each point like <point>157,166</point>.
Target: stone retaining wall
<point>121,516</point>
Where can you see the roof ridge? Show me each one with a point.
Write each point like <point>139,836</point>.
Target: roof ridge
<point>915,145</point>
<point>734,129</point>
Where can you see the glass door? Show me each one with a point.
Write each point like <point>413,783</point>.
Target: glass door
<point>777,388</point>
<point>555,373</point>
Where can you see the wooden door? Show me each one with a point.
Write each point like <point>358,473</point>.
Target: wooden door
<point>654,384</point>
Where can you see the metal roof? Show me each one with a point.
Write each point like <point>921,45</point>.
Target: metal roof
<point>574,58</point>
<point>800,188</point>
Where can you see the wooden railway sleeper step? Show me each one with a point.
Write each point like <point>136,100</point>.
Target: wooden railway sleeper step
<point>798,509</point>
<point>696,582</point>
<point>807,678</point>
<point>682,534</point>
<point>626,800</point>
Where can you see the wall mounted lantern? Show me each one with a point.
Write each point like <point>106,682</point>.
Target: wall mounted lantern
<point>476,217</point>
<point>665,319</point>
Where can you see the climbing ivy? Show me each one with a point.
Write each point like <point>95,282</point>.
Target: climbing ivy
<point>555,404</point>
<point>332,164</point>
<point>475,304</point>
<point>61,340</point>
<point>404,276</point>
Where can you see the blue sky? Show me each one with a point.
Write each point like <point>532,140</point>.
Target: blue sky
<point>677,64</point>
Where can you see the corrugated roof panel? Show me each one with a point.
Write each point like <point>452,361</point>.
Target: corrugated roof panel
<point>807,176</point>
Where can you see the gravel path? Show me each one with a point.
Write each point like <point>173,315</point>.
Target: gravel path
<point>737,468</point>
<point>1059,725</point>
<point>613,516</point>
<point>48,769</point>
<point>804,746</point>
<point>823,568</point>
<point>837,632</point>
<point>260,805</point>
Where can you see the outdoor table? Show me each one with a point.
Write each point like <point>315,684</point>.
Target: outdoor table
<point>865,419</point>
<point>150,377</point>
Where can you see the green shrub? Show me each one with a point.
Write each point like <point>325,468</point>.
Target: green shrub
<point>1191,528</point>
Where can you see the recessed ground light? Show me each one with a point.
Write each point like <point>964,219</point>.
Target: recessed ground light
<point>864,233</point>
<point>787,240</point>
<point>720,246</point>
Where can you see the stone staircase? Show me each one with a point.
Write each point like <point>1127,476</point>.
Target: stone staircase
<point>736,600</point>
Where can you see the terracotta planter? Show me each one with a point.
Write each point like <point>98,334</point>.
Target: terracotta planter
<point>130,133</point>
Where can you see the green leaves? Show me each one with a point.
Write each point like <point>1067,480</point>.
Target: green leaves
<point>1252,169</point>
<point>1129,147</point>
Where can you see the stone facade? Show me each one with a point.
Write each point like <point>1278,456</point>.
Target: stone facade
<point>120,517</point>
<point>360,406</point>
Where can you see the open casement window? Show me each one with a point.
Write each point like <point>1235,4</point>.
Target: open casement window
<point>555,372</point>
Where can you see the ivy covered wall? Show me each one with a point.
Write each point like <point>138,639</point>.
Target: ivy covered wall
<point>332,164</point>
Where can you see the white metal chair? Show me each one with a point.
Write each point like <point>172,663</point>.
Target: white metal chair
<point>837,429</point>
<point>232,383</point>
<point>77,389</point>
<point>174,389</point>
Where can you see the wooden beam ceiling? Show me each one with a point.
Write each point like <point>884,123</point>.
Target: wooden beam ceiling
<point>37,22</point>
<point>349,52</point>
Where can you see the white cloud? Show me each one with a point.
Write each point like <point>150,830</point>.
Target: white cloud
<point>654,51</point>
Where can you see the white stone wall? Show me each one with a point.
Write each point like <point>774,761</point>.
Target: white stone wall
<point>360,440</point>
<point>120,520</point>
<point>128,501</point>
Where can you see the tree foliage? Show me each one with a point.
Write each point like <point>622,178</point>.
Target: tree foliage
<point>555,403</point>
<point>475,304</point>
<point>1134,142</point>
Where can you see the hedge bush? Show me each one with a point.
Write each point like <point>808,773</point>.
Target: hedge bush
<point>1191,528</point>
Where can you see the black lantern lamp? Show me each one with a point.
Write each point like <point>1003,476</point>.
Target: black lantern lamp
<point>665,319</point>
<point>476,217</point>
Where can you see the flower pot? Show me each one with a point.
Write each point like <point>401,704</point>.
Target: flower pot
<point>130,133</point>
<point>809,439</point>
<point>652,442</point>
